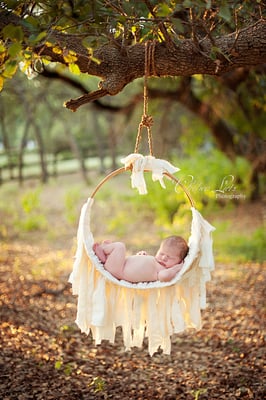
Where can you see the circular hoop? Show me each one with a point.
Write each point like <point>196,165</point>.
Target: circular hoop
<point>124,169</point>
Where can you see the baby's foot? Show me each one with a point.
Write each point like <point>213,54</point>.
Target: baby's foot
<point>99,252</point>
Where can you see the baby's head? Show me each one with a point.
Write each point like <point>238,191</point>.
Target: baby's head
<point>172,251</point>
<point>178,243</point>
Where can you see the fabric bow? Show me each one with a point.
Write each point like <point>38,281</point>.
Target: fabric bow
<point>141,163</point>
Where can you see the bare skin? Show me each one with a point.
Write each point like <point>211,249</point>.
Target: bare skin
<point>140,267</point>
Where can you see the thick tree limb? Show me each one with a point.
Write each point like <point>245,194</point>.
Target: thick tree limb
<point>119,65</point>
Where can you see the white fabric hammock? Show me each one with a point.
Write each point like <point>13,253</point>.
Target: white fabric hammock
<point>155,310</point>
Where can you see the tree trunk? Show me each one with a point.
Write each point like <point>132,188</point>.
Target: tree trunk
<point>99,142</point>
<point>38,135</point>
<point>259,166</point>
<point>112,141</point>
<point>76,151</point>
<point>21,152</point>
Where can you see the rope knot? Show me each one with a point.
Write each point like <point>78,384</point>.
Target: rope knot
<point>147,120</point>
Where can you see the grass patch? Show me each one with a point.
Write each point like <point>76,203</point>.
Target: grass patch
<point>231,245</point>
<point>31,218</point>
<point>71,199</point>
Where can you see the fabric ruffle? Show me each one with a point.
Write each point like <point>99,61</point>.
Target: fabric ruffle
<point>155,310</point>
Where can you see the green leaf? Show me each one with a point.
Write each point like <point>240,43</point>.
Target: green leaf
<point>177,22</point>
<point>87,43</point>
<point>187,3</point>
<point>27,54</point>
<point>163,10</point>
<point>35,38</point>
<point>74,68</point>
<point>68,369</point>
<point>58,364</point>
<point>14,49</point>
<point>13,32</point>
<point>10,69</point>
<point>2,48</point>
<point>216,50</point>
<point>31,23</point>
<point>11,3</point>
<point>225,12</point>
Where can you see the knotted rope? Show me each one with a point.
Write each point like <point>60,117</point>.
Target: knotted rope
<point>147,120</point>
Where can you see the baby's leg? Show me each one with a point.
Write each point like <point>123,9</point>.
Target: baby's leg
<point>115,254</point>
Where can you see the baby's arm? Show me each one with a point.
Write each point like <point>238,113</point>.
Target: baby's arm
<point>169,273</point>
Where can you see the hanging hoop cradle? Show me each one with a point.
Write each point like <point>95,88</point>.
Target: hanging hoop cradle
<point>153,309</point>
<point>157,309</point>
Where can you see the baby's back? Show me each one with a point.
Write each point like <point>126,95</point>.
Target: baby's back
<point>141,268</point>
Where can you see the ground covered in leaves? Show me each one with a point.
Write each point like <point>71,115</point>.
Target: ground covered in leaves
<point>44,355</point>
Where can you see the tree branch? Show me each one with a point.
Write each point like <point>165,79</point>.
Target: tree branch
<point>117,68</point>
<point>86,98</point>
<point>119,65</point>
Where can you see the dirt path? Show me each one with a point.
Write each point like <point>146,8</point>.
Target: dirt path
<point>44,355</point>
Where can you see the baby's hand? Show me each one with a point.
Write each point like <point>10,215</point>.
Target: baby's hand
<point>142,253</point>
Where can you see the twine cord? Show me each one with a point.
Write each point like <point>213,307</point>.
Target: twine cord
<point>147,120</point>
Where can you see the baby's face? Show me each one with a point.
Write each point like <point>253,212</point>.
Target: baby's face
<point>168,256</point>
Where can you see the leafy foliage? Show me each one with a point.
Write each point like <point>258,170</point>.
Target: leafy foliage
<point>209,177</point>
